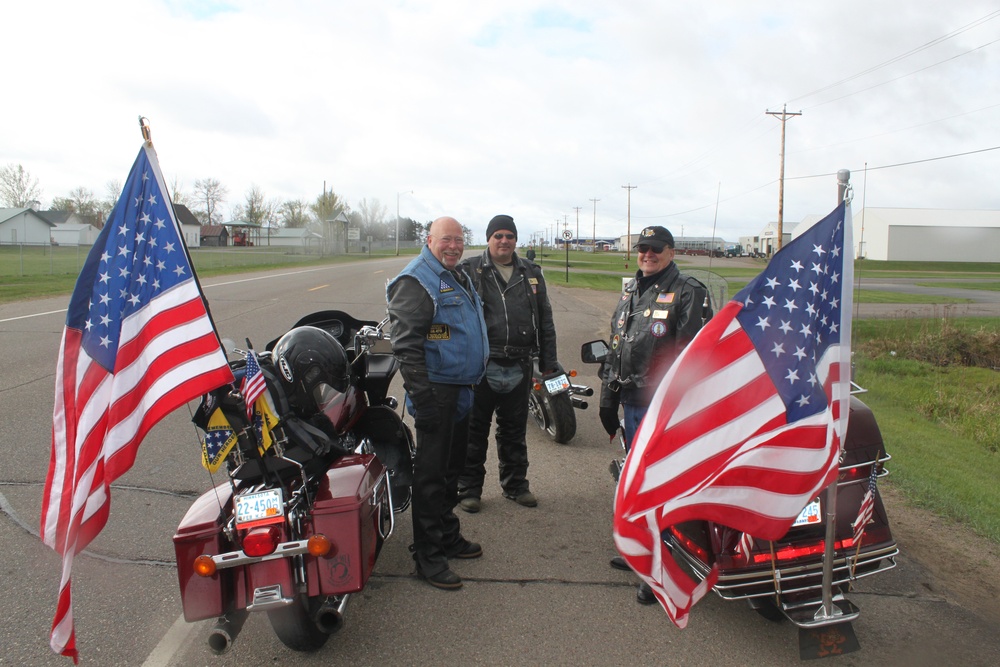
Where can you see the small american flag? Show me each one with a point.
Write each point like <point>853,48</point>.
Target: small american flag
<point>138,343</point>
<point>744,546</point>
<point>253,383</point>
<point>867,505</point>
<point>745,428</point>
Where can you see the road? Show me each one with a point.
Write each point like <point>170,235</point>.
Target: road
<point>542,594</point>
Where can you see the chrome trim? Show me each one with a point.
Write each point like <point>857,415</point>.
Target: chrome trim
<point>283,550</point>
<point>268,597</point>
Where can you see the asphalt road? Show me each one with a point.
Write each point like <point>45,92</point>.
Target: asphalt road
<point>542,594</point>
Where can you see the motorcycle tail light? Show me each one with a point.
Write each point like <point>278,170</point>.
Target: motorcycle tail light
<point>261,541</point>
<point>319,545</point>
<point>537,386</point>
<point>204,566</point>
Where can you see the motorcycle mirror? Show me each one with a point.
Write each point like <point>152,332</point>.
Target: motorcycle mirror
<point>594,352</point>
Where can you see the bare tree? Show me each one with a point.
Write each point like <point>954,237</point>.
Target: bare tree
<point>17,187</point>
<point>211,194</point>
<point>257,208</point>
<point>326,208</point>
<point>82,202</point>
<point>294,213</point>
<point>373,214</point>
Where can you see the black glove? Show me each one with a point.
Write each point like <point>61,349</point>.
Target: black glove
<point>609,419</point>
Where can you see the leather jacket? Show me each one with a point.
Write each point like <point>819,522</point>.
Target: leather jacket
<point>648,332</point>
<point>518,314</point>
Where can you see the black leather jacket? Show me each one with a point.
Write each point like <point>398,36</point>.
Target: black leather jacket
<point>518,314</point>
<point>648,332</point>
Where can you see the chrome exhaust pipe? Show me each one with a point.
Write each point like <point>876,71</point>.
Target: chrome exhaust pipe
<point>578,402</point>
<point>225,631</point>
<point>581,389</point>
<point>330,616</point>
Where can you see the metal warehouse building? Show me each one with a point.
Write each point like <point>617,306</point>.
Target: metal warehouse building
<point>914,234</point>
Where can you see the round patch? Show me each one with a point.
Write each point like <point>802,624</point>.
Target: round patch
<point>646,312</point>
<point>659,329</point>
<point>621,321</point>
<point>615,341</point>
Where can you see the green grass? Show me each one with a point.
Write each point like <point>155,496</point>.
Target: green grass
<point>934,391</point>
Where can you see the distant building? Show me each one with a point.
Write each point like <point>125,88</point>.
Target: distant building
<point>927,235</point>
<point>24,226</point>
<point>190,227</point>
<point>214,236</point>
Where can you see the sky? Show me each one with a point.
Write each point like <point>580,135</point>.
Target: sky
<point>665,113</point>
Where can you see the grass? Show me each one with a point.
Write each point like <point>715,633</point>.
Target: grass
<point>935,391</point>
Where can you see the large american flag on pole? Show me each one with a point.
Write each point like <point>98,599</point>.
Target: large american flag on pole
<point>138,343</point>
<point>745,428</point>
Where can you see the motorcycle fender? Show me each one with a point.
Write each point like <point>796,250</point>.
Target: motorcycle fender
<point>347,512</point>
<point>200,532</point>
<point>267,574</point>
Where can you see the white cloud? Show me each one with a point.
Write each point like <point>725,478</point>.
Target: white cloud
<point>525,107</point>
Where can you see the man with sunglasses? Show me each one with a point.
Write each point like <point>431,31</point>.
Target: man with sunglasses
<point>519,326</point>
<point>659,313</point>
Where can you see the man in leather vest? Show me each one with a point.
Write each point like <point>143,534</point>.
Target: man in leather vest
<point>659,313</point>
<point>439,337</point>
<point>519,325</point>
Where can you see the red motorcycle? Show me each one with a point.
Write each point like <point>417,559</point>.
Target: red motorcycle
<point>315,472</point>
<point>784,578</point>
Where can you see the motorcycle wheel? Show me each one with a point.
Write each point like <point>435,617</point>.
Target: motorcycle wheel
<point>295,627</point>
<point>537,410</point>
<point>561,425</point>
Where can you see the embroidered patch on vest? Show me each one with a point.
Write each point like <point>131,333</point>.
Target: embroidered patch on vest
<point>533,281</point>
<point>445,287</point>
<point>665,297</point>
<point>615,341</point>
<point>439,332</point>
<point>659,329</point>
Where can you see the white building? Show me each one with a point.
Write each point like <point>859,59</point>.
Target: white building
<point>24,226</point>
<point>941,235</point>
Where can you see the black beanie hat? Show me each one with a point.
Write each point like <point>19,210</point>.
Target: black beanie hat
<point>500,222</point>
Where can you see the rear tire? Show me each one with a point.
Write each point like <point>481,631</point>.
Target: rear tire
<point>295,627</point>
<point>767,608</point>
<point>562,417</point>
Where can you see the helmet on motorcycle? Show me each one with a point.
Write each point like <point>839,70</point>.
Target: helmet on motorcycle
<point>314,371</point>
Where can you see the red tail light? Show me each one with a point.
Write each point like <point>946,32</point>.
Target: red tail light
<point>262,541</point>
<point>690,545</point>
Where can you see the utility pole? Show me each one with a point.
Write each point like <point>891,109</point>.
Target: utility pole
<point>782,116</point>
<point>593,239</point>
<point>628,238</point>
<point>577,227</point>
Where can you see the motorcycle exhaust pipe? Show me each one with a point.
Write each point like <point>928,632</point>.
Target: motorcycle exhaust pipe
<point>581,389</point>
<point>578,402</point>
<point>330,616</point>
<point>228,627</point>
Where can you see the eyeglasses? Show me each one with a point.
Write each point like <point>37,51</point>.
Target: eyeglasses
<point>501,237</point>
<point>647,248</point>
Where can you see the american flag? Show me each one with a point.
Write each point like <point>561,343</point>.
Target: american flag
<point>867,506</point>
<point>138,343</point>
<point>746,426</point>
<point>253,382</point>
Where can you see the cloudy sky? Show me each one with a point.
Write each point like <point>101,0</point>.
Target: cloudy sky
<point>528,107</point>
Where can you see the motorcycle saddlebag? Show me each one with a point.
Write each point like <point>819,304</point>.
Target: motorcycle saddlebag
<point>200,532</point>
<point>348,511</point>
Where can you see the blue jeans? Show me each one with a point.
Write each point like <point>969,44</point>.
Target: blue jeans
<point>633,417</point>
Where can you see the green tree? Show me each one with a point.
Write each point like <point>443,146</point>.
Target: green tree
<point>17,187</point>
<point>326,208</point>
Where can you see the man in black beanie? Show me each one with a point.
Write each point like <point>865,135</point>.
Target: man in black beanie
<point>519,326</point>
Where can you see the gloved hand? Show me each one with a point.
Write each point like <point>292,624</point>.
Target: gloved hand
<point>609,419</point>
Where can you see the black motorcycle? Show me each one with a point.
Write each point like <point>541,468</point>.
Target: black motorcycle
<point>553,402</point>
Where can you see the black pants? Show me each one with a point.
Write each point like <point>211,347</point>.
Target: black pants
<point>511,409</point>
<point>438,461</point>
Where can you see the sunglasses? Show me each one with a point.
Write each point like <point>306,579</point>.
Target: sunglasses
<point>646,248</point>
<point>501,237</point>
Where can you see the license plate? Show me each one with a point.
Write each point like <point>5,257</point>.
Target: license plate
<point>259,509</point>
<point>810,515</point>
<point>558,384</point>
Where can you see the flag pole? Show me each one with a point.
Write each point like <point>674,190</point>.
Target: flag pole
<point>827,611</point>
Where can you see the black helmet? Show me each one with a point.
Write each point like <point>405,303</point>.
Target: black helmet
<point>313,368</point>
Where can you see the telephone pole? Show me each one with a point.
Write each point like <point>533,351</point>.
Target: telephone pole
<point>783,115</point>
<point>628,234</point>
<point>593,239</point>
<point>577,227</point>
